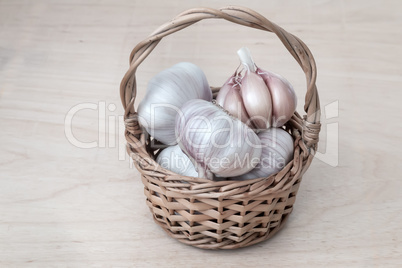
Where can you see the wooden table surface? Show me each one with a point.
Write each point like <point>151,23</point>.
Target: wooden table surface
<point>68,194</point>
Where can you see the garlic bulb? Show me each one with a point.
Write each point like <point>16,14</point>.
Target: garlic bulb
<point>166,93</point>
<point>216,142</point>
<point>268,99</point>
<point>277,152</point>
<point>173,159</point>
<point>284,100</point>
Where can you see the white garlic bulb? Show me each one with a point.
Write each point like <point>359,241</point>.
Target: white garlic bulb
<point>173,159</point>
<point>217,142</point>
<point>277,152</point>
<point>166,93</point>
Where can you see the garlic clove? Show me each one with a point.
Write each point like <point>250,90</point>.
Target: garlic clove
<point>219,143</point>
<point>224,90</point>
<point>284,100</point>
<point>166,93</point>
<point>174,159</point>
<point>230,99</point>
<point>256,96</point>
<point>257,100</point>
<point>277,152</point>
<point>234,105</point>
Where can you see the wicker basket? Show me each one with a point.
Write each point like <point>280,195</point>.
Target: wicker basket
<point>225,214</point>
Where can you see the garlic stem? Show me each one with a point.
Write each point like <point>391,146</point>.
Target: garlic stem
<point>246,59</point>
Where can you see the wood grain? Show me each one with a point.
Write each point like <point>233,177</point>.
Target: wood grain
<point>65,206</point>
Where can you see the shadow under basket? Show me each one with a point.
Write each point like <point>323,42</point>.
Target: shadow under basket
<point>222,214</point>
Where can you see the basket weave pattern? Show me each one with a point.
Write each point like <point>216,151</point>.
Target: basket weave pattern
<point>222,214</point>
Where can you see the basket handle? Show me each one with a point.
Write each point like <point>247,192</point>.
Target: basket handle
<point>310,124</point>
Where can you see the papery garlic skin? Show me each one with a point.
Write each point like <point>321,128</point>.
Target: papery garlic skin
<point>255,94</point>
<point>217,142</point>
<point>174,159</point>
<point>166,93</point>
<point>277,152</point>
<point>284,100</point>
